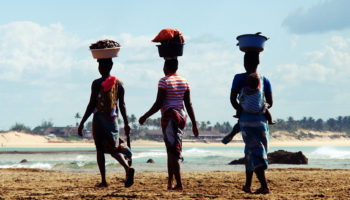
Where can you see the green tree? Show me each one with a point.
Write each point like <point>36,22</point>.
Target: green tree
<point>89,126</point>
<point>77,117</point>
<point>203,126</point>
<point>19,127</point>
<point>319,125</point>
<point>43,126</point>
<point>208,125</point>
<point>132,119</point>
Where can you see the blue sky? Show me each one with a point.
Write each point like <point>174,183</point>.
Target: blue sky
<point>46,68</point>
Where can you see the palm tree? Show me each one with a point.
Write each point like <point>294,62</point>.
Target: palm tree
<point>77,117</point>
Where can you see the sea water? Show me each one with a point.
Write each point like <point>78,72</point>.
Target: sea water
<point>195,158</point>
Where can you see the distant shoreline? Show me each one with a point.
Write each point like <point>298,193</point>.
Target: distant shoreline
<point>150,144</point>
<point>24,140</point>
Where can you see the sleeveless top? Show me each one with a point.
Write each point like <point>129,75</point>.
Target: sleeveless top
<point>107,97</point>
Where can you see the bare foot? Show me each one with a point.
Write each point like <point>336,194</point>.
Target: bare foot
<point>247,189</point>
<point>262,191</point>
<point>130,177</point>
<point>178,188</point>
<point>170,187</point>
<point>101,185</point>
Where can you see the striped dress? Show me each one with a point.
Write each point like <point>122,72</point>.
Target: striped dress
<point>175,87</point>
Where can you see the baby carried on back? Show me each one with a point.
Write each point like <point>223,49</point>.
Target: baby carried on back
<point>251,97</point>
<point>252,100</point>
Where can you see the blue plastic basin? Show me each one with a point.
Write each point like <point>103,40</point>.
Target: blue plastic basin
<point>251,42</point>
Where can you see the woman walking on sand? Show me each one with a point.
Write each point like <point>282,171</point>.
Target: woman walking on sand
<point>173,90</point>
<point>105,93</point>
<point>254,128</point>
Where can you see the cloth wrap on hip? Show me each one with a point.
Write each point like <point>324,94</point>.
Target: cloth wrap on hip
<point>106,136</point>
<point>173,122</point>
<point>255,133</point>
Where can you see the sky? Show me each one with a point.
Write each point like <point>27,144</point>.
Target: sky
<point>46,68</point>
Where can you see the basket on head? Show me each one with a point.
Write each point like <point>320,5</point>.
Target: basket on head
<point>170,50</point>
<point>105,53</point>
<point>251,42</point>
<point>105,49</point>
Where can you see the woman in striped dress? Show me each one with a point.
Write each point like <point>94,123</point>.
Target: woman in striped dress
<point>173,91</point>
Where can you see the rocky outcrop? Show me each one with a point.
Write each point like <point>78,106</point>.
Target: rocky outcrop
<point>280,157</point>
<point>24,161</point>
<point>285,157</point>
<point>237,162</point>
<point>150,161</point>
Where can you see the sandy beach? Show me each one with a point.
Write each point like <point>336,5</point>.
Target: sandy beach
<point>284,184</point>
<point>18,139</point>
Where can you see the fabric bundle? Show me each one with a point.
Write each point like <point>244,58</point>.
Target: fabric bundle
<point>168,34</point>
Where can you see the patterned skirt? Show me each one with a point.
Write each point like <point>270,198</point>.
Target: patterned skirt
<point>173,122</point>
<point>106,136</point>
<point>255,135</point>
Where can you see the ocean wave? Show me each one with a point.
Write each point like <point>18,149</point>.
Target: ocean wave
<point>197,152</point>
<point>32,165</point>
<point>149,154</point>
<point>75,165</point>
<point>330,152</point>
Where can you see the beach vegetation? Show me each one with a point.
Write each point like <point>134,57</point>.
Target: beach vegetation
<point>304,128</point>
<point>20,127</point>
<point>77,117</point>
<point>45,124</point>
<point>339,124</point>
<point>72,138</point>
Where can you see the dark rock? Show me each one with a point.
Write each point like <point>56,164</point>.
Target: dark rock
<point>285,157</point>
<point>280,157</point>
<point>237,162</point>
<point>24,161</point>
<point>150,160</point>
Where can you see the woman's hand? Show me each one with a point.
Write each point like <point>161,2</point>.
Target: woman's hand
<point>127,129</point>
<point>195,130</point>
<point>142,119</point>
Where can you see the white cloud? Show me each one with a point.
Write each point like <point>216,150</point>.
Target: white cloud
<point>28,48</point>
<point>54,69</point>
<point>293,41</point>
<point>325,16</point>
<point>328,65</point>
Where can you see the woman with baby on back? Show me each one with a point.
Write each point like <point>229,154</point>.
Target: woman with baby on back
<point>253,125</point>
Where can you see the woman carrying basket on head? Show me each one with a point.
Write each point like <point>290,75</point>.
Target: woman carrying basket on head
<point>254,126</point>
<point>106,93</point>
<point>173,93</point>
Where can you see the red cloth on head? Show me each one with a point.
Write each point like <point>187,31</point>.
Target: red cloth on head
<point>108,83</point>
<point>167,34</point>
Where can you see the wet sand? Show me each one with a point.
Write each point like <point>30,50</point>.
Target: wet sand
<point>284,184</point>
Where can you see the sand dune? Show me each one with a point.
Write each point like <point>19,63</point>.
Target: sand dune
<point>19,139</point>
<point>16,138</point>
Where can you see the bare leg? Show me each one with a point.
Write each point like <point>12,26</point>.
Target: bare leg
<point>176,171</point>
<point>269,117</point>
<point>102,168</point>
<point>260,173</point>
<point>129,172</point>
<point>170,173</point>
<point>248,179</point>
<point>120,158</point>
